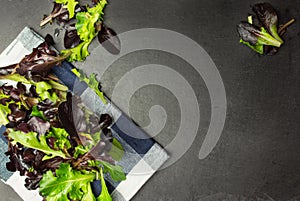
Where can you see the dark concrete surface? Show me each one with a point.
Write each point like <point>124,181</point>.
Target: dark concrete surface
<point>257,157</point>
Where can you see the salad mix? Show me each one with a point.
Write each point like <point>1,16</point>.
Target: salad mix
<point>54,140</point>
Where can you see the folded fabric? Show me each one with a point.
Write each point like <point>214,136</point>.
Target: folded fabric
<point>143,156</point>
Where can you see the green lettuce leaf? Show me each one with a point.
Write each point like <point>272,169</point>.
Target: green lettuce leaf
<point>256,48</point>
<point>86,30</point>
<point>88,196</point>
<point>104,196</point>
<point>91,82</point>
<point>80,150</point>
<point>61,136</point>
<point>78,53</point>
<point>117,150</point>
<point>57,85</point>
<point>86,21</point>
<point>31,140</point>
<point>255,37</point>
<point>19,78</point>
<point>67,184</point>
<point>70,5</point>
<point>266,39</point>
<point>16,77</point>
<point>42,90</point>
<point>115,171</point>
<point>4,111</point>
<point>37,113</point>
<point>85,25</point>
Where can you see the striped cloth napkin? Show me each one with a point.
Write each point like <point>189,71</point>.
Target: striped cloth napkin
<point>143,156</point>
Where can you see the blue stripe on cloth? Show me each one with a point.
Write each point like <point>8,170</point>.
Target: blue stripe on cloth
<point>97,188</point>
<point>127,130</point>
<point>133,135</point>
<point>65,75</point>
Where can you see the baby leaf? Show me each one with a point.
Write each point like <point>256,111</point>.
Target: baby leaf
<point>80,150</point>
<point>255,36</point>
<point>70,4</point>
<point>86,21</point>
<point>85,26</point>
<point>117,150</point>
<point>61,13</point>
<point>91,82</point>
<point>257,48</point>
<point>37,113</point>
<point>67,184</point>
<point>31,140</point>
<point>268,17</point>
<point>115,171</point>
<point>88,196</point>
<point>16,77</point>
<point>42,88</point>
<point>78,53</point>
<point>4,111</point>
<point>104,196</point>
<point>61,137</point>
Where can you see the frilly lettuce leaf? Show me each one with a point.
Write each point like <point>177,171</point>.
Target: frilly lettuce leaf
<point>42,89</point>
<point>62,142</point>
<point>78,53</point>
<point>67,184</point>
<point>86,30</point>
<point>86,21</point>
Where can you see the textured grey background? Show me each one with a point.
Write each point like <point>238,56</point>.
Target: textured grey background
<point>257,157</point>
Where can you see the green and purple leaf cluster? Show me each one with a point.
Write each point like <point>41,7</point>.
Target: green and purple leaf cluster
<point>60,148</point>
<point>35,141</point>
<point>263,34</point>
<point>86,26</point>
